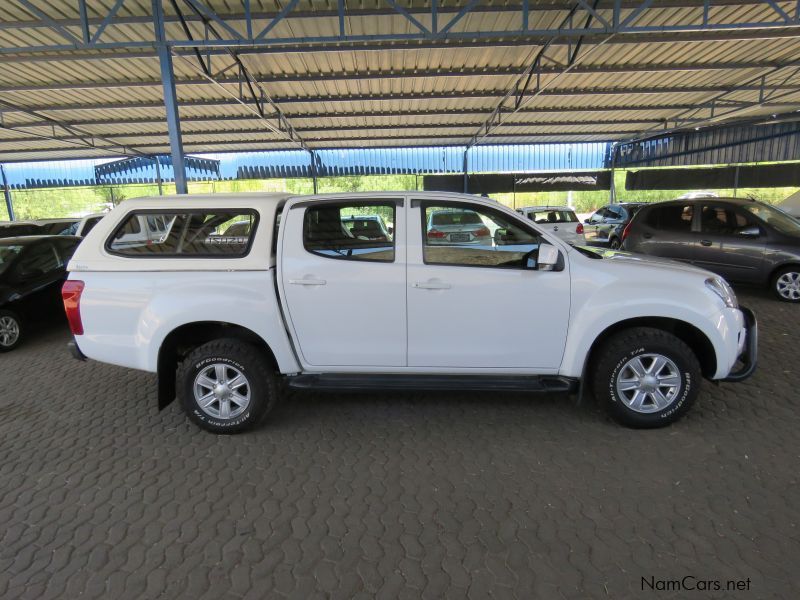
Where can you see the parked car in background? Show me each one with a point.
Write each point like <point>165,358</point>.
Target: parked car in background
<point>32,269</point>
<point>561,220</point>
<point>457,225</point>
<point>742,240</point>
<point>605,226</point>
<point>369,227</point>
<point>19,228</point>
<point>86,224</point>
<point>67,226</point>
<point>302,303</point>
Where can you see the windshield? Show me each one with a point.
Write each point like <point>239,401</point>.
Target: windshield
<point>553,216</point>
<point>456,217</point>
<point>775,218</point>
<point>7,256</point>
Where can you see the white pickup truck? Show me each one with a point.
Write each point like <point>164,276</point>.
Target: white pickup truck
<point>301,298</point>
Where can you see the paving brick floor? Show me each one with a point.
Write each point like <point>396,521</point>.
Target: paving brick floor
<point>394,496</point>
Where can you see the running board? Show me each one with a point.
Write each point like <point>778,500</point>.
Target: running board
<point>418,382</point>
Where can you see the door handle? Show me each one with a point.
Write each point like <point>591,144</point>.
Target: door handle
<point>431,285</point>
<point>705,242</point>
<point>309,281</point>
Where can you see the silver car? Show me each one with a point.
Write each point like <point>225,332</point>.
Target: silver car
<point>457,226</point>
<point>560,220</point>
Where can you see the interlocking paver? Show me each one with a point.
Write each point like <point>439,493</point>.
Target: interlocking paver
<point>392,495</point>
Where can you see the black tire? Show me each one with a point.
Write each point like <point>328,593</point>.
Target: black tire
<point>10,322</point>
<point>616,359</point>
<point>233,356</point>
<point>790,292</point>
<point>614,244</point>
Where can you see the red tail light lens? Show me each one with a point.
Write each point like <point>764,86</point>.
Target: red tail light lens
<point>579,229</point>
<point>435,233</point>
<point>627,230</point>
<point>482,232</point>
<point>71,294</point>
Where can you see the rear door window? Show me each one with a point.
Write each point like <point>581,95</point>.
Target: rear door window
<point>350,231</point>
<point>189,234</point>
<point>675,217</point>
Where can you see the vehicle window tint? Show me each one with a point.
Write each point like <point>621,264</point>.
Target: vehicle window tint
<point>553,216</point>
<point>38,260</point>
<point>720,220</point>
<point>351,231</point>
<point>471,235</point>
<point>675,217</point>
<point>775,218</point>
<point>66,248</point>
<point>187,234</point>
<point>597,216</point>
<point>90,223</point>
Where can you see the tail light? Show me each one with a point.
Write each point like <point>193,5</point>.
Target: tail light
<point>435,233</point>
<point>579,229</point>
<point>627,230</point>
<point>482,232</point>
<point>71,294</point>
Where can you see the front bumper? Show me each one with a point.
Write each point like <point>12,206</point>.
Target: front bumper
<point>749,356</point>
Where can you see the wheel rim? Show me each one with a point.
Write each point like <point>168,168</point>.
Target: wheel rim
<point>788,286</point>
<point>222,391</point>
<point>649,383</point>
<point>615,245</point>
<point>9,331</point>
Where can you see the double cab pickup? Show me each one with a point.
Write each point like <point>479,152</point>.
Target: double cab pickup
<point>239,296</point>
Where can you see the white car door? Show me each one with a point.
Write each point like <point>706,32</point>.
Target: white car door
<point>345,294</point>
<point>483,307</point>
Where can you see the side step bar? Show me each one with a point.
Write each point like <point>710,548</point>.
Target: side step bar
<point>368,382</point>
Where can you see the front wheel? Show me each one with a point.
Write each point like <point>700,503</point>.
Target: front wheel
<point>10,330</point>
<point>646,377</point>
<point>786,284</point>
<point>226,386</point>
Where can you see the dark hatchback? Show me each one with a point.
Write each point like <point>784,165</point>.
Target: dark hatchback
<point>32,270</point>
<point>743,240</point>
<point>605,226</point>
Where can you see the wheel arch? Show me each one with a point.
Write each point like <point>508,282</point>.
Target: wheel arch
<point>183,339</point>
<point>693,337</point>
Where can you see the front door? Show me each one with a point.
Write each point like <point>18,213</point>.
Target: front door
<point>730,243</point>
<point>345,292</point>
<point>473,300</point>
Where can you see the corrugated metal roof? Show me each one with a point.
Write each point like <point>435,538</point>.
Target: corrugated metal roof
<point>398,92</point>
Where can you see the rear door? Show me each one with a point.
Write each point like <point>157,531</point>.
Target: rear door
<point>478,306</point>
<point>592,224</point>
<point>665,231</point>
<point>345,294</point>
<point>731,243</point>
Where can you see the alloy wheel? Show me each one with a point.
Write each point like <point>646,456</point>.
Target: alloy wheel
<point>222,391</point>
<point>649,383</point>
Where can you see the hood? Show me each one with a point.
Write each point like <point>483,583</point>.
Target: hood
<point>649,262</point>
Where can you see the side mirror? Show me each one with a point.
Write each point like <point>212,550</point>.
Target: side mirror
<point>390,230</point>
<point>548,257</point>
<point>587,221</point>
<point>751,231</point>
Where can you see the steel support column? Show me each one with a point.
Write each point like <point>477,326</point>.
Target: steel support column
<point>7,194</point>
<point>313,169</point>
<point>170,100</point>
<point>466,177</point>
<point>158,177</point>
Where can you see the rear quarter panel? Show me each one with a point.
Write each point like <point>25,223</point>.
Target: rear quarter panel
<point>126,316</point>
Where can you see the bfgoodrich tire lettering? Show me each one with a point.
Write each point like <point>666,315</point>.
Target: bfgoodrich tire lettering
<point>247,378</point>
<point>654,363</point>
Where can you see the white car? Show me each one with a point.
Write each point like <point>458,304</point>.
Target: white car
<point>560,220</point>
<point>301,302</point>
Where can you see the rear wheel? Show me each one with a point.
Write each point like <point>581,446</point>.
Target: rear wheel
<point>615,244</point>
<point>10,330</point>
<point>786,284</point>
<point>226,386</point>
<point>646,377</point>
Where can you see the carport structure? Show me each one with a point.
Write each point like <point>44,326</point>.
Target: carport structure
<point>88,79</point>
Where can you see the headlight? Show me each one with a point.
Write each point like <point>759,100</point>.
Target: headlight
<point>721,288</point>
